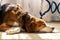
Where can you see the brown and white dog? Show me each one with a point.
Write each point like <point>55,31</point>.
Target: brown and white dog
<point>13,15</point>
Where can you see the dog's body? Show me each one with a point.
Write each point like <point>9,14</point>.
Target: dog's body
<point>16,14</point>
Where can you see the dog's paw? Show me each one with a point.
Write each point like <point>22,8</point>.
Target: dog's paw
<point>13,30</point>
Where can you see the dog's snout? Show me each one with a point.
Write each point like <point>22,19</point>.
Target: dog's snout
<point>52,28</point>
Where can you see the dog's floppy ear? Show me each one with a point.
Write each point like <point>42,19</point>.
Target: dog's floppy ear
<point>21,9</point>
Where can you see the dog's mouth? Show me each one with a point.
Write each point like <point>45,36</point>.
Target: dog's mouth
<point>47,30</point>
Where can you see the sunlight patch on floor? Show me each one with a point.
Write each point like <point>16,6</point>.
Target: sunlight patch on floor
<point>50,35</point>
<point>24,36</point>
<point>15,36</point>
<point>5,36</point>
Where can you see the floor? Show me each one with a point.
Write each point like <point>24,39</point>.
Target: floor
<point>39,36</point>
<point>56,25</point>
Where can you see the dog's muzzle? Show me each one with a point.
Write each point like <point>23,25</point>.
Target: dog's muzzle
<point>47,30</point>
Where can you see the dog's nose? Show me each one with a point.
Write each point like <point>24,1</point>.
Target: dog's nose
<point>52,28</point>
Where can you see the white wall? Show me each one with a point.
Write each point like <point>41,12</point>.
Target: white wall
<point>11,1</point>
<point>33,6</point>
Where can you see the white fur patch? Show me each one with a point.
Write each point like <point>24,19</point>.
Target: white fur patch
<point>11,5</point>
<point>47,29</point>
<point>31,16</point>
<point>15,24</point>
<point>13,30</point>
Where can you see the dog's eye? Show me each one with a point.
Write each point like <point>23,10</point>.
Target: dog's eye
<point>18,13</point>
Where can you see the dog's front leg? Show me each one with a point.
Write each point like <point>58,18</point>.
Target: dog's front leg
<point>4,27</point>
<point>13,30</point>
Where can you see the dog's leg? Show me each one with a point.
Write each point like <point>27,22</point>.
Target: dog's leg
<point>13,30</point>
<point>4,27</point>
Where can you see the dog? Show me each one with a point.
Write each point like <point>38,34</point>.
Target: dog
<point>13,15</point>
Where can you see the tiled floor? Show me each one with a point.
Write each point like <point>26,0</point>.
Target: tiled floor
<point>35,35</point>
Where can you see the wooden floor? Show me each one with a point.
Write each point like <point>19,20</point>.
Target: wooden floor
<point>39,36</point>
<point>31,36</point>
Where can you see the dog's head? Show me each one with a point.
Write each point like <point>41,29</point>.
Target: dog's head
<point>11,15</point>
